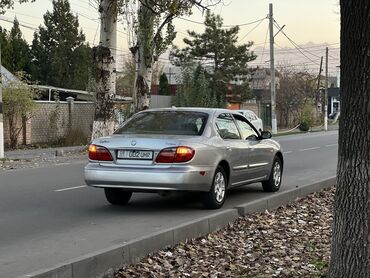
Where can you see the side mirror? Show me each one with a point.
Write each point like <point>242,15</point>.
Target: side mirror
<point>266,134</point>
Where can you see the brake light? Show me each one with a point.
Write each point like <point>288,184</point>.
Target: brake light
<point>99,153</point>
<point>175,155</point>
<point>184,154</point>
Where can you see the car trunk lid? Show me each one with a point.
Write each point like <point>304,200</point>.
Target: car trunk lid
<point>136,149</point>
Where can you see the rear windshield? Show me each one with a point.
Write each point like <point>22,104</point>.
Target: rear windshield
<point>166,122</point>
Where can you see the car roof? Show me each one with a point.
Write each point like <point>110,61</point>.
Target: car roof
<point>245,110</point>
<point>195,109</point>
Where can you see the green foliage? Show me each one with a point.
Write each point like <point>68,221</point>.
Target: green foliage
<point>306,120</point>
<point>15,52</point>
<point>164,88</point>
<point>18,99</point>
<point>155,31</point>
<point>5,48</point>
<point>218,51</point>
<point>155,27</point>
<point>243,92</point>
<point>125,83</point>
<point>60,56</point>
<point>194,90</point>
<point>19,50</point>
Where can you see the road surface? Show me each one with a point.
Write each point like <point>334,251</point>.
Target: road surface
<point>48,215</point>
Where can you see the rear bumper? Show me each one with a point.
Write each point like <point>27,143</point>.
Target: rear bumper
<point>149,179</point>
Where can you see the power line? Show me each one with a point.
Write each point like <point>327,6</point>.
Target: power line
<point>224,26</point>
<point>318,45</point>
<point>264,45</point>
<point>20,23</point>
<point>255,27</point>
<point>295,44</point>
<point>297,47</point>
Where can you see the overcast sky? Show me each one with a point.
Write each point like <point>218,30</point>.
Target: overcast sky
<point>312,24</point>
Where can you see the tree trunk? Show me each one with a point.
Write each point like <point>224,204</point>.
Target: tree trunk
<point>104,55</point>
<point>143,53</point>
<point>350,254</point>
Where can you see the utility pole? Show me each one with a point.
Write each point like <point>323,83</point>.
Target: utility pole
<point>319,77</point>
<point>1,113</point>
<point>272,72</point>
<point>326,91</point>
<point>318,96</point>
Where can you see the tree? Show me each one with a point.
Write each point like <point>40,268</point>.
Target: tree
<point>350,254</point>
<point>125,83</point>
<point>297,90</point>
<point>82,67</point>
<point>194,90</point>
<point>60,57</point>
<point>155,32</point>
<point>148,24</point>
<point>18,50</point>
<point>217,51</point>
<point>164,88</point>
<point>9,4</point>
<point>18,98</point>
<point>105,68</point>
<point>6,58</point>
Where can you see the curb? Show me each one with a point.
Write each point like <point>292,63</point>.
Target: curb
<point>104,262</point>
<point>43,152</point>
<point>282,198</point>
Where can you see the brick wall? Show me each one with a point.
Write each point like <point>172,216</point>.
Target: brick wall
<point>24,137</point>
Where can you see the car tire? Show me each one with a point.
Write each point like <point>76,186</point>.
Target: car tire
<point>274,181</point>
<point>117,196</point>
<point>215,198</point>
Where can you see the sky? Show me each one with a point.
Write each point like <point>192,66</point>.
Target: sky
<point>310,24</point>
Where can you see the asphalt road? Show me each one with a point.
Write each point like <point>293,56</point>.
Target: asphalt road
<point>48,215</point>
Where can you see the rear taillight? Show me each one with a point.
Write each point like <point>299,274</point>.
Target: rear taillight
<point>175,155</point>
<point>99,153</point>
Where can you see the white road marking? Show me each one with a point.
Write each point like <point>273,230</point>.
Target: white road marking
<point>70,188</point>
<point>332,145</point>
<point>309,149</point>
<point>287,152</point>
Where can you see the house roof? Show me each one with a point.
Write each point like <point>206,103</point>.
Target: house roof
<point>8,77</point>
<point>333,92</point>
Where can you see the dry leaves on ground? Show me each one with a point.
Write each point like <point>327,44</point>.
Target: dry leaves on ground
<point>292,241</point>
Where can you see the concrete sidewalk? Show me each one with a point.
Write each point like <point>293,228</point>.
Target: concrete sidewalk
<point>42,152</point>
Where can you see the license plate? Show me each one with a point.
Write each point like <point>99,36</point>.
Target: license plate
<point>135,154</point>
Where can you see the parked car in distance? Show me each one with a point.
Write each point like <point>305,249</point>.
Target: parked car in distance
<point>253,118</point>
<point>334,115</point>
<point>184,149</point>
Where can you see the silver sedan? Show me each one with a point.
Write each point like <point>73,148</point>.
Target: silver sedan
<point>184,149</point>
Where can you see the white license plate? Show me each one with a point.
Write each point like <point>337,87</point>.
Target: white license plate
<point>135,154</point>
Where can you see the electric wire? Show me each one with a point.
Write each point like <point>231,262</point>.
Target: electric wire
<point>317,63</point>
<point>295,44</point>
<point>254,28</point>
<point>224,26</point>
<point>264,45</point>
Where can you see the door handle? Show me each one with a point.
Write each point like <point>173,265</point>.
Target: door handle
<point>228,148</point>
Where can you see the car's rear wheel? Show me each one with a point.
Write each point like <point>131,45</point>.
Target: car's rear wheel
<point>117,196</point>
<point>215,198</point>
<point>274,182</point>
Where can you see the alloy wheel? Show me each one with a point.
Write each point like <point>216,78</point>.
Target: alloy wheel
<point>219,187</point>
<point>277,174</point>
